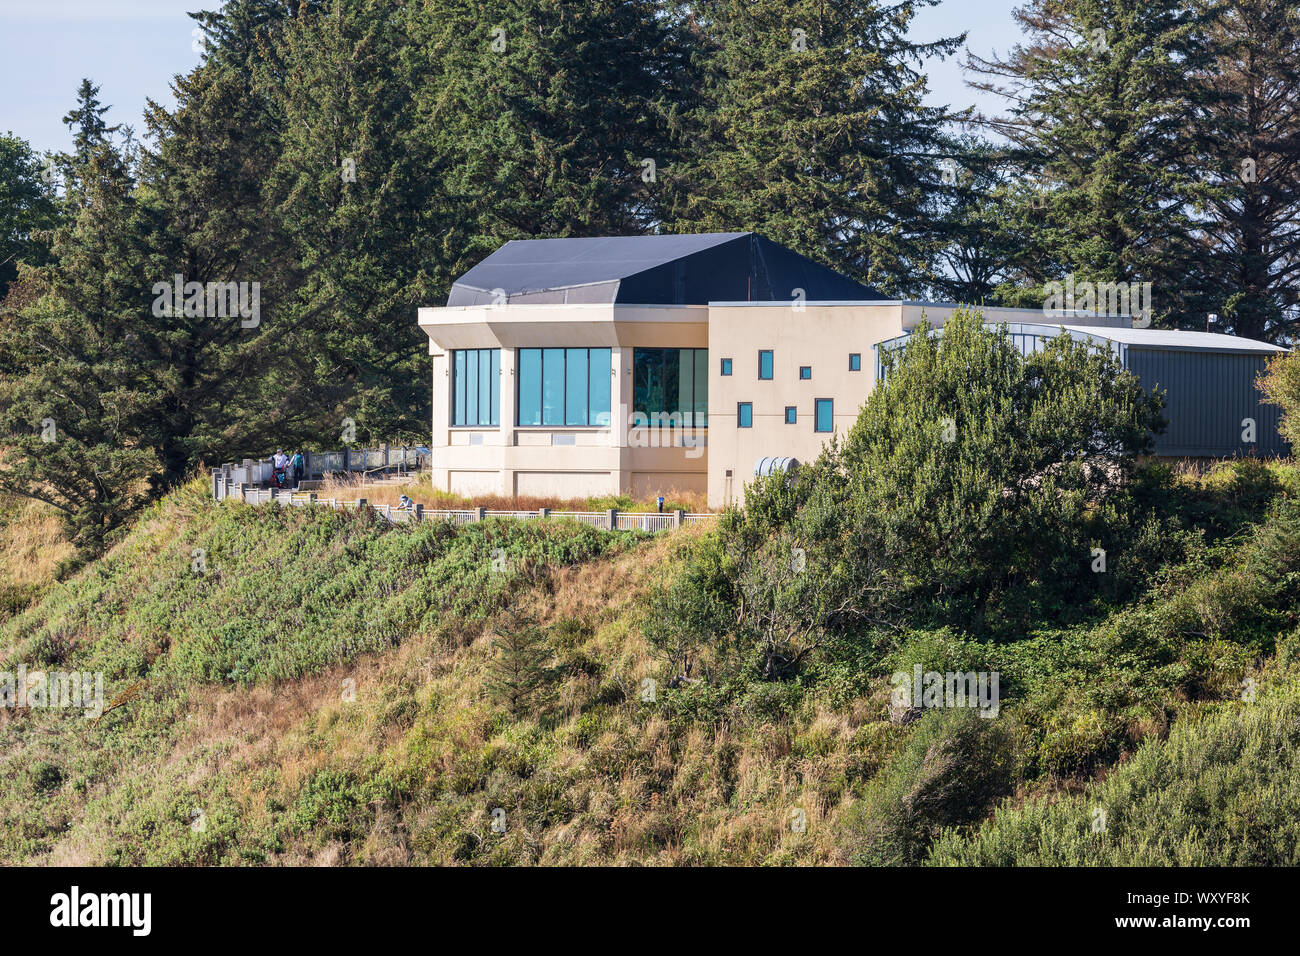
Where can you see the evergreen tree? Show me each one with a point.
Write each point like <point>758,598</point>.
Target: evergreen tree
<point>28,206</point>
<point>811,129</point>
<point>555,108</point>
<point>1098,103</point>
<point>1248,121</point>
<point>979,252</point>
<point>363,179</point>
<point>517,673</point>
<point>77,414</point>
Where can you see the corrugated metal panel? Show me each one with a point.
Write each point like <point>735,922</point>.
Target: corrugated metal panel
<point>1208,395</point>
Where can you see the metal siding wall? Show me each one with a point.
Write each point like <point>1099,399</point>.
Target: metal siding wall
<point>1207,396</point>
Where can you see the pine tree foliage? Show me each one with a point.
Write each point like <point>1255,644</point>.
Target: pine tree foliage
<point>812,129</point>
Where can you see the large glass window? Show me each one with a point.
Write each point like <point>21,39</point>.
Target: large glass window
<point>475,387</point>
<point>564,387</point>
<point>670,387</point>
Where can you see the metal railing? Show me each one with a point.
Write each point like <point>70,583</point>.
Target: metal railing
<point>652,522</point>
<point>363,462</point>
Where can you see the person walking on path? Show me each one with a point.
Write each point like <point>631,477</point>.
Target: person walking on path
<point>299,468</point>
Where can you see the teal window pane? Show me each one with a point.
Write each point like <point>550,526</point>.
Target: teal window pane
<point>484,387</point>
<point>685,404</point>
<point>575,387</point>
<point>765,364</point>
<point>669,400</point>
<point>855,362</point>
<point>791,415</point>
<point>599,385</point>
<point>530,386</point>
<point>805,372</point>
<point>701,388</point>
<point>726,366</point>
<point>647,379</point>
<point>458,387</point>
<point>495,378</point>
<point>471,387</point>
<point>744,415</point>
<point>824,417</point>
<point>552,386</point>
<point>671,386</point>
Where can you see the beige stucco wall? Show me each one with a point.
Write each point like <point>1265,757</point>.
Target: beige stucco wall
<point>529,460</point>
<point>819,336</point>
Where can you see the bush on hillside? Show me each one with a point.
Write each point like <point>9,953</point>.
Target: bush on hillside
<point>1281,383</point>
<point>990,476</point>
<point>1224,791</point>
<point>949,773</point>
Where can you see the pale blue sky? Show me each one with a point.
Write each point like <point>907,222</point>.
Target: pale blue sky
<point>132,48</point>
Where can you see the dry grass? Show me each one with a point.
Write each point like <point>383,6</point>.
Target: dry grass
<point>421,491</point>
<point>32,543</point>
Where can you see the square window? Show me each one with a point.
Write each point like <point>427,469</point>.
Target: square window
<point>765,365</point>
<point>791,415</point>
<point>744,414</point>
<point>726,366</point>
<point>824,415</point>
<point>805,372</point>
<point>855,362</point>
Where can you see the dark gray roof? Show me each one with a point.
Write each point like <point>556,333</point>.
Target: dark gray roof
<point>649,270</point>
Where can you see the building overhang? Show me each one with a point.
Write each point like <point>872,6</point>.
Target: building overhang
<point>603,325</point>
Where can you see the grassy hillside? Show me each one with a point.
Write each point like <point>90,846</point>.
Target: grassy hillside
<point>328,690</point>
<point>33,546</point>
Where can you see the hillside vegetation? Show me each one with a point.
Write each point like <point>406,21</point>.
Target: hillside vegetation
<point>329,691</point>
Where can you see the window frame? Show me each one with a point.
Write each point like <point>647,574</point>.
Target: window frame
<point>564,354</point>
<point>792,414</point>
<point>855,361</point>
<point>740,418</point>
<point>696,363</point>
<point>817,405</point>
<point>459,362</point>
<point>771,365</point>
<point>802,376</point>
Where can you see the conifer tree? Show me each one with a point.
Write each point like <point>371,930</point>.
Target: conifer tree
<point>1097,100</point>
<point>517,672</point>
<point>78,411</point>
<point>28,206</point>
<point>811,128</point>
<point>1248,126</point>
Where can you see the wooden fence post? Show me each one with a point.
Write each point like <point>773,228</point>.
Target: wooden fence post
<point>679,517</point>
<point>480,513</point>
<point>543,512</point>
<point>419,513</point>
<point>611,519</point>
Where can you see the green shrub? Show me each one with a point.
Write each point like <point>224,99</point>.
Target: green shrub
<point>1221,791</point>
<point>1281,383</point>
<point>948,773</point>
